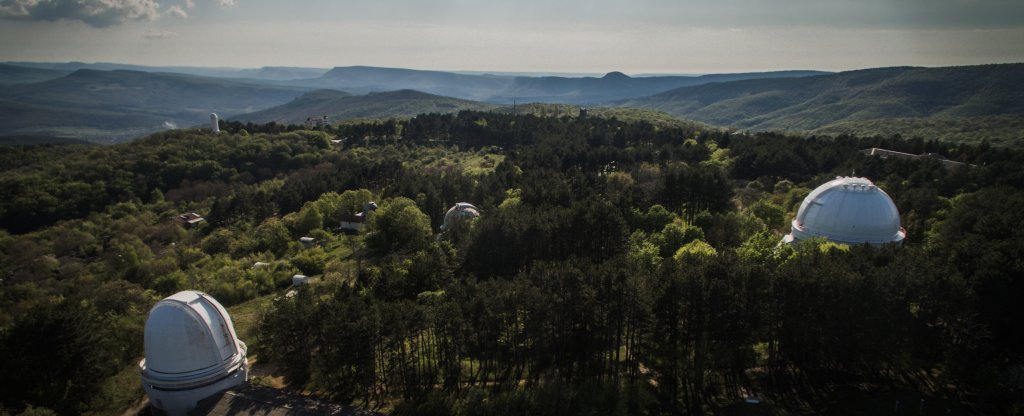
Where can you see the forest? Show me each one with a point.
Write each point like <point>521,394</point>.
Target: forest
<point>618,267</point>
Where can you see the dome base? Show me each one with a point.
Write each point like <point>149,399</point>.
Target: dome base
<point>179,402</point>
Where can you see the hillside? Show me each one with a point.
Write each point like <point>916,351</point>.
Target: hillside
<point>364,79</point>
<point>13,74</point>
<point>281,73</point>
<point>636,257</point>
<point>852,98</point>
<point>338,106</point>
<point>118,105</point>
<point>34,140</point>
<point>504,89</point>
<point>267,73</point>
<point>1000,130</point>
<point>617,86</point>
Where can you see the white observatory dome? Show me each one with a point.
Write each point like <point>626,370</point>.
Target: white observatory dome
<point>849,211</point>
<point>192,352</point>
<point>459,212</point>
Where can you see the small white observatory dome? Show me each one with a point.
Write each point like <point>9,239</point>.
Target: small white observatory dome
<point>850,211</point>
<point>459,212</point>
<point>192,352</point>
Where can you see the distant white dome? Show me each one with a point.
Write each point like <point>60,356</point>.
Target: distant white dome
<point>850,211</point>
<point>459,212</point>
<point>192,352</point>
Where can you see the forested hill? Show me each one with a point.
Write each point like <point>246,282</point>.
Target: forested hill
<point>119,105</point>
<point>340,106</point>
<point>364,79</point>
<point>857,100</point>
<point>13,74</point>
<point>619,267</point>
<point>504,89</point>
<point>616,86</point>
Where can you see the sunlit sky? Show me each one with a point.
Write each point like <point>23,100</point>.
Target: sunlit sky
<point>636,37</point>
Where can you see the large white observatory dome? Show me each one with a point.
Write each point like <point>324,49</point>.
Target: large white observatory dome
<point>460,212</point>
<point>192,352</point>
<point>850,211</point>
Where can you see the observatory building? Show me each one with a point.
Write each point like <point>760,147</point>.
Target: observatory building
<point>848,210</point>
<point>458,213</point>
<point>192,352</point>
<point>353,224</point>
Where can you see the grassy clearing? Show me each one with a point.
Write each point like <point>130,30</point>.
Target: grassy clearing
<point>246,315</point>
<point>481,164</point>
<point>441,160</point>
<point>120,392</point>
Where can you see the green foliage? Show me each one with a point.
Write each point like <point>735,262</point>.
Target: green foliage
<point>772,215</point>
<point>696,250</point>
<point>273,236</point>
<point>998,130</point>
<point>960,104</point>
<point>675,235</point>
<point>218,242</point>
<point>656,218</point>
<point>101,338</point>
<point>663,290</point>
<point>982,238</point>
<point>309,219</point>
<point>765,248</point>
<point>310,261</point>
<point>398,226</point>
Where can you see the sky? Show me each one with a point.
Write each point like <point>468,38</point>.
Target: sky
<point>553,36</point>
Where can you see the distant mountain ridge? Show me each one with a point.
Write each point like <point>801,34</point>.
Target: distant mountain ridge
<point>267,73</point>
<point>365,79</point>
<point>116,105</point>
<point>826,101</point>
<point>109,102</point>
<point>338,106</point>
<point>13,74</point>
<point>616,86</point>
<point>121,104</point>
<point>505,89</point>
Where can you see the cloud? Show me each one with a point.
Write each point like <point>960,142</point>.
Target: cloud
<point>190,4</point>
<point>176,11</point>
<point>96,13</point>
<point>159,34</point>
<point>226,3</point>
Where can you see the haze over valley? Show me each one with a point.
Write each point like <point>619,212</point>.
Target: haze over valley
<point>110,103</point>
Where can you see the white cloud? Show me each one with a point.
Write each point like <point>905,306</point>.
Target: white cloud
<point>97,13</point>
<point>176,11</point>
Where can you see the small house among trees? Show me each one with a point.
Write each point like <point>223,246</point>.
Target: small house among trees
<point>316,122</point>
<point>354,223</point>
<point>190,220</point>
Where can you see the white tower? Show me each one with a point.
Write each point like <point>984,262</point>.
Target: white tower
<point>192,352</point>
<point>213,123</point>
